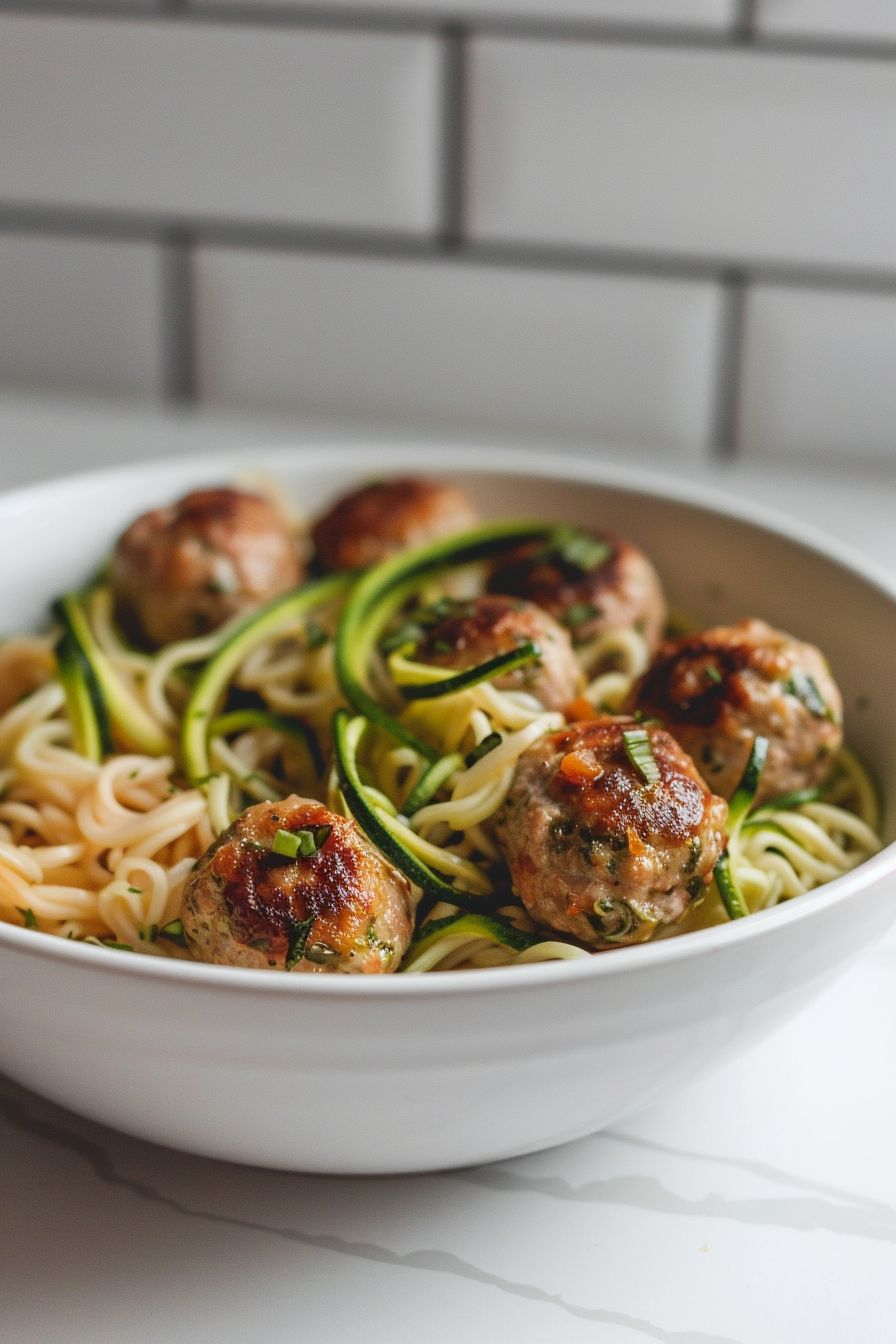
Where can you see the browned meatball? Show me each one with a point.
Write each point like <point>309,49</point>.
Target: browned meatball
<point>592,585</point>
<point>343,908</point>
<point>717,691</point>
<point>471,632</point>
<point>597,852</point>
<point>184,570</point>
<point>382,519</point>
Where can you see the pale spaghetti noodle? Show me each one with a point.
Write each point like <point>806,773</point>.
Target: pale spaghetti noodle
<point>100,848</point>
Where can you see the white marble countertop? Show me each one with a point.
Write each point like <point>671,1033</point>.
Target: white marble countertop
<point>757,1206</point>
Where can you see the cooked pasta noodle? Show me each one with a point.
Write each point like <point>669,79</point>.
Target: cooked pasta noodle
<point>98,838</point>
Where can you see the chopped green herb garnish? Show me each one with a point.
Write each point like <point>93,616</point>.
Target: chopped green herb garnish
<point>441,646</point>
<point>583,552</point>
<point>578,614</point>
<point>713,673</point>
<point>805,689</point>
<point>117,947</point>
<point>29,918</point>
<point>136,891</point>
<point>647,719</point>
<point>640,753</point>
<point>315,635</point>
<point>297,932</point>
<point>300,844</point>
<point>483,748</point>
<point>410,633</point>
<point>132,774</point>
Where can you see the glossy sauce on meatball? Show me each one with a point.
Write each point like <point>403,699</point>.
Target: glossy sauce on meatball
<point>387,517</point>
<point>615,587</point>
<point>183,571</point>
<point>595,850</point>
<point>342,908</point>
<point>471,632</point>
<point>716,691</point>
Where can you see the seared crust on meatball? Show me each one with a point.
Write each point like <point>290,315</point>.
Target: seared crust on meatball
<point>471,632</point>
<point>343,908</point>
<point>716,691</point>
<point>387,517</point>
<point>594,850</point>
<point>621,592</point>
<point>182,571</point>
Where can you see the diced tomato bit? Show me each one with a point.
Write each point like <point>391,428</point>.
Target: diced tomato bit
<point>580,709</point>
<point>636,845</point>
<point>580,769</point>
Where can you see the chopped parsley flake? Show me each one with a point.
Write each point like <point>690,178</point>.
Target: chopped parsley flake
<point>301,844</point>
<point>805,689</point>
<point>315,635</point>
<point>640,753</point>
<point>583,552</point>
<point>297,932</point>
<point>578,614</point>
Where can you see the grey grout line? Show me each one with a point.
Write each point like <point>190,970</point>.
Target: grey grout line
<point>536,256</point>
<point>744,30</point>
<point>400,246</point>
<point>178,319</point>
<point>89,9</point>
<point>453,127</point>
<point>729,350</point>
<point>406,20</point>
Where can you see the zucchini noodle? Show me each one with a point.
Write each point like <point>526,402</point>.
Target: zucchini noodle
<point>102,850</point>
<point>454,835</point>
<point>120,766</point>
<point>785,851</point>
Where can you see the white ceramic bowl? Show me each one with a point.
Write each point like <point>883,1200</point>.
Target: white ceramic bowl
<point>391,1074</point>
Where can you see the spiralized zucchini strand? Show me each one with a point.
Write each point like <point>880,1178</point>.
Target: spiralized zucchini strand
<point>383,589</point>
<point>783,851</point>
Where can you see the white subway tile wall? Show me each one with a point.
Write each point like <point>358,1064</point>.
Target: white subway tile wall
<point>522,351</point>
<point>600,220</point>
<point>310,127</point>
<point>699,13</point>
<point>77,314</point>
<point>861,19</point>
<point>818,373</point>
<point>702,153</point>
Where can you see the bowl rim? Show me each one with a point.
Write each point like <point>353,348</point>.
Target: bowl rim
<point>487,460</point>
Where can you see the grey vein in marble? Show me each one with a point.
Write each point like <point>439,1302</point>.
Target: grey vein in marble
<point>762,1169</point>
<point>855,1217</point>
<point>440,1262</point>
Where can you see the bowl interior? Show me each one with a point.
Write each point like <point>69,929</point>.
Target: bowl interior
<point>715,566</point>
